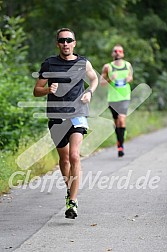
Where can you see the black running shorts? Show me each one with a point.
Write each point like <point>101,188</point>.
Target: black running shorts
<point>119,108</point>
<point>61,131</point>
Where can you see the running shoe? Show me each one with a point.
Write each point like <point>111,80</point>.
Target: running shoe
<point>67,197</point>
<point>121,152</point>
<point>71,212</point>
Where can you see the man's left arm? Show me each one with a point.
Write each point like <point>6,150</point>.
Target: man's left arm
<point>93,82</point>
<point>130,74</point>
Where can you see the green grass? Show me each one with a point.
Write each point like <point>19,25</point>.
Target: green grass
<point>8,167</point>
<point>140,122</point>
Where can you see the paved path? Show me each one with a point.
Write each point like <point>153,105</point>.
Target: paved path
<point>122,205</point>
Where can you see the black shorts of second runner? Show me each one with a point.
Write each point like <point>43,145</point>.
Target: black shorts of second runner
<point>118,108</point>
<point>61,131</point>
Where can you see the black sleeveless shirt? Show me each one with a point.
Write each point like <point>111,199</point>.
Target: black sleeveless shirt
<point>70,75</point>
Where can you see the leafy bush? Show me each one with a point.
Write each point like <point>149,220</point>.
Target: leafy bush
<point>16,85</point>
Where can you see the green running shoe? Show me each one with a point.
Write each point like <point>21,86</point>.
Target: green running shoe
<point>67,197</point>
<point>71,212</point>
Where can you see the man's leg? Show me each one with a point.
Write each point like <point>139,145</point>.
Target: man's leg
<point>64,163</point>
<point>59,133</point>
<point>120,130</point>
<point>116,121</point>
<point>119,111</point>
<point>75,141</point>
<point>121,126</point>
<point>70,163</point>
<point>74,157</point>
<point>122,107</point>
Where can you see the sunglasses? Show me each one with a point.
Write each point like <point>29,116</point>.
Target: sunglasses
<point>118,51</point>
<point>63,40</point>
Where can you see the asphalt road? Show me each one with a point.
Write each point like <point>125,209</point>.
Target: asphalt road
<point>122,205</point>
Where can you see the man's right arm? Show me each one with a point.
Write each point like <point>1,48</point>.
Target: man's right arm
<point>41,90</point>
<point>104,79</point>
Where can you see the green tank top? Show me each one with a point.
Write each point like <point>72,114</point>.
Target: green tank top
<point>119,89</point>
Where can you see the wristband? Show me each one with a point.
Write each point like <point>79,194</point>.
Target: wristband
<point>90,91</point>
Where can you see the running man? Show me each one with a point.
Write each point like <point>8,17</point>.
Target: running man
<point>67,108</point>
<point>117,75</point>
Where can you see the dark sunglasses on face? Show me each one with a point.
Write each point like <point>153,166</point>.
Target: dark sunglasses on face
<point>63,40</point>
<point>118,51</point>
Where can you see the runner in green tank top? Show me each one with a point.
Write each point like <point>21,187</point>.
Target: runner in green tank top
<point>117,75</point>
